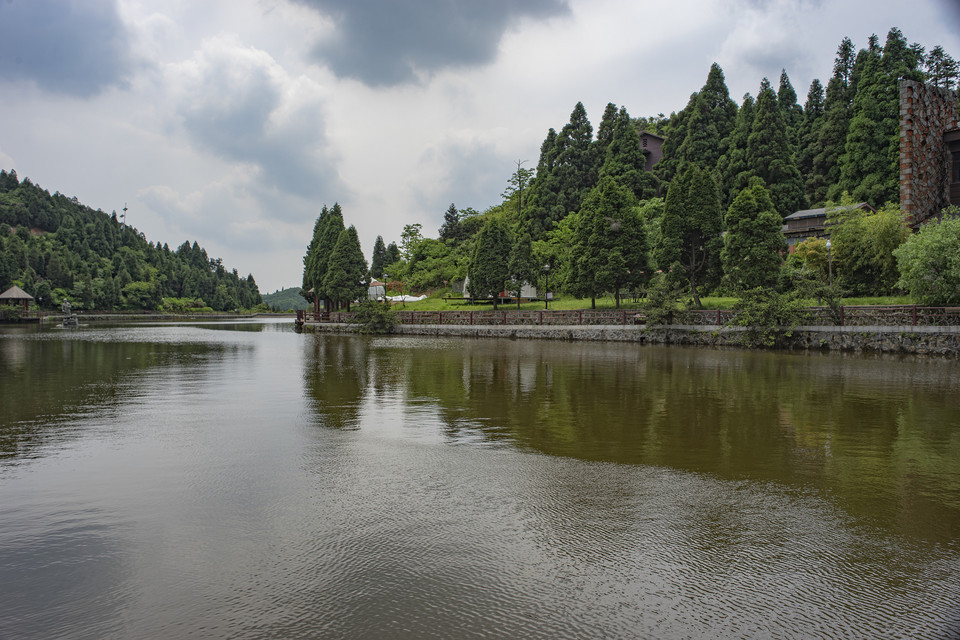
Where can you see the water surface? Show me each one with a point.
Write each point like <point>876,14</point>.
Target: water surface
<point>237,480</point>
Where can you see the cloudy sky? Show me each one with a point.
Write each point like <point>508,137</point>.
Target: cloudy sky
<point>231,122</point>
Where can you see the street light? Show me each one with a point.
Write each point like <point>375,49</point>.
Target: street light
<point>830,263</point>
<point>546,288</point>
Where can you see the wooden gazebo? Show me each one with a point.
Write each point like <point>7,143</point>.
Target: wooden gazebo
<point>15,294</point>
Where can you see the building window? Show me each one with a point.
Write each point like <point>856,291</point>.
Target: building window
<point>956,166</point>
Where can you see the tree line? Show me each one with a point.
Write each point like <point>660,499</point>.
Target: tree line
<point>57,249</point>
<point>709,215</point>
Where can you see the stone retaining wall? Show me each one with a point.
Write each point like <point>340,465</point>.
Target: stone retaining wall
<point>905,339</point>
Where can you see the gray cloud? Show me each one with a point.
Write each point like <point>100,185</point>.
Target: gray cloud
<point>237,103</point>
<point>75,47</point>
<point>952,9</point>
<point>474,174</point>
<point>388,43</point>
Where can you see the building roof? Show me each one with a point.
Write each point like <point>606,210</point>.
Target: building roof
<point>652,135</point>
<point>15,293</point>
<point>821,212</point>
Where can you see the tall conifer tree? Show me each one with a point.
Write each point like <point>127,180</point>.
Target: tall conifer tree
<point>823,181</point>
<point>610,249</point>
<point>732,170</point>
<point>450,230</point>
<point>624,161</point>
<point>346,276</point>
<point>326,232</point>
<point>754,242</point>
<point>489,267</point>
<point>605,133</point>
<point>792,112</point>
<point>675,133</point>
<point>379,258</point>
<point>690,228</point>
<point>769,155</point>
<point>870,163</point>
<point>544,192</point>
<point>712,118</point>
<point>571,172</point>
<point>813,119</point>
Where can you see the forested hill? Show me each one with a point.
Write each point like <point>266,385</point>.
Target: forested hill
<point>55,248</point>
<point>285,300</point>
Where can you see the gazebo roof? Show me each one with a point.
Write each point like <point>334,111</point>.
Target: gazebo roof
<point>15,293</point>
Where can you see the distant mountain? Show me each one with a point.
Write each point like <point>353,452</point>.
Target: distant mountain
<point>285,300</point>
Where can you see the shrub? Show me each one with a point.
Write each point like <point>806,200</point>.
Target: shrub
<point>663,300</point>
<point>10,312</point>
<point>769,317</point>
<point>375,317</point>
<point>929,261</point>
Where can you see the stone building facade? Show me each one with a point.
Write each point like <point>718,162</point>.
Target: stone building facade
<point>928,121</point>
<point>651,145</point>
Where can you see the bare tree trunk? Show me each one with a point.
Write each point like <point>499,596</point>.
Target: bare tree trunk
<point>693,290</point>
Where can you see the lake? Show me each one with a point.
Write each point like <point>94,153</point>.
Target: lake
<point>239,480</point>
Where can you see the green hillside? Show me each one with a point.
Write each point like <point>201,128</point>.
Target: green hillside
<point>57,249</point>
<point>285,300</point>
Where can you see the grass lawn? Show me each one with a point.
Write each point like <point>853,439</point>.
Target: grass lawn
<point>568,302</point>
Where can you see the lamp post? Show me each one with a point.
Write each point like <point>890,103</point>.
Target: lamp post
<point>546,288</point>
<point>830,263</point>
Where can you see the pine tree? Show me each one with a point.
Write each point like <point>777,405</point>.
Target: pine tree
<point>675,133</point>
<point>792,112</point>
<point>712,118</point>
<point>754,242</point>
<point>824,178</point>
<point>811,125</point>
<point>941,69</point>
<point>379,258</point>
<point>309,258</point>
<point>821,180</point>
<point>605,132</point>
<point>844,61</point>
<point>544,193</point>
<point>393,255</point>
<point>489,268</point>
<point>450,230</point>
<point>570,173</point>
<point>517,188</point>
<point>346,276</point>
<point>690,228</point>
<point>610,248</point>
<point>732,170</point>
<point>769,156</point>
<point>624,160</point>
<point>521,266</point>
<point>870,163</point>
<point>326,233</point>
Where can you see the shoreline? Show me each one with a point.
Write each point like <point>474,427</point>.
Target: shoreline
<point>56,318</point>
<point>905,339</point>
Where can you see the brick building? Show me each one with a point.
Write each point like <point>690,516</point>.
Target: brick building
<point>929,151</point>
